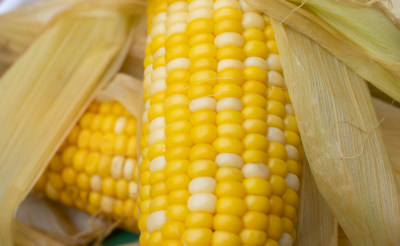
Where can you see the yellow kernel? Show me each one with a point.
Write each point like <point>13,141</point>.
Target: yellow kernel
<point>255,220</point>
<point>257,186</point>
<point>176,51</point>
<point>229,174</point>
<point>199,219</point>
<point>158,189</point>
<point>231,130</point>
<point>289,212</point>
<point>203,117</point>
<point>227,222</point>
<point>178,113</point>
<point>208,63</point>
<point>68,155</point>
<point>255,156</point>
<point>226,89</point>
<point>287,225</point>
<point>255,126</point>
<point>293,167</point>
<point>276,150</point>
<point>229,116</point>
<point>275,228</point>
<point>156,177</point>
<point>177,212</point>
<point>103,168</point>
<point>222,238</point>
<point>255,73</point>
<point>257,203</point>
<point>202,151</point>
<point>69,175</point>
<point>275,121</point>
<point>197,237</point>
<point>158,203</point>
<point>252,99</point>
<point>290,197</point>
<point>172,229</point>
<point>199,26</point>
<point>198,38</point>
<point>276,93</point>
<point>182,139</point>
<point>278,167</point>
<point>230,188</point>
<point>180,152</point>
<point>231,52</point>
<point>228,145</point>
<point>253,237</point>
<point>202,50</point>
<point>156,149</point>
<point>256,48</point>
<point>177,76</point>
<point>231,205</point>
<point>199,90</point>
<point>228,25</point>
<point>176,167</point>
<point>227,13</point>
<point>292,138</point>
<point>178,196</point>
<point>255,141</point>
<point>206,133</point>
<point>256,87</point>
<point>272,47</point>
<point>175,39</point>
<point>278,184</point>
<point>108,186</point>
<point>253,34</point>
<point>276,205</point>
<point>207,77</point>
<point>155,238</point>
<point>231,75</point>
<point>202,168</point>
<point>178,181</point>
<point>291,123</point>
<point>182,126</point>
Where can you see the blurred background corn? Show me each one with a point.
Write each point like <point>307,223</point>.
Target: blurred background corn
<point>95,170</point>
<point>221,151</point>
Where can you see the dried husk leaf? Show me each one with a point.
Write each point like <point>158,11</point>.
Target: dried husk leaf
<point>27,236</point>
<point>389,118</point>
<point>316,223</point>
<point>382,73</point>
<point>342,140</point>
<point>45,91</point>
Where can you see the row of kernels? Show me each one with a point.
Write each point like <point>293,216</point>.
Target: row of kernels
<point>107,107</point>
<point>153,44</point>
<point>115,123</point>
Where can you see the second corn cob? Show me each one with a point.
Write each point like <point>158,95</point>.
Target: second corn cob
<point>221,151</point>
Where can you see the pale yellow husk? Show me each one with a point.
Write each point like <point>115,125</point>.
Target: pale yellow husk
<point>316,223</point>
<point>342,140</point>
<point>380,70</point>
<point>46,90</point>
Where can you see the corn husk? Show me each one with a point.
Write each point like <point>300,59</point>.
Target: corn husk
<point>46,90</point>
<point>375,65</point>
<point>19,28</point>
<point>342,140</point>
<point>316,223</point>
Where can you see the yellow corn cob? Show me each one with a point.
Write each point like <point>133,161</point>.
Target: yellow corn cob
<point>96,168</point>
<point>221,151</point>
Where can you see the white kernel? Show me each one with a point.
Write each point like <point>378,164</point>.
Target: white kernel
<point>202,202</point>
<point>254,61</point>
<point>147,81</point>
<point>107,204</point>
<point>275,135</point>
<point>229,39</point>
<point>129,168</point>
<point>229,63</point>
<point>117,166</point>
<point>226,3</point>
<point>286,240</point>
<point>274,62</point>
<point>177,6</point>
<point>178,63</point>
<point>159,52</point>
<point>157,86</point>
<point>157,123</point>
<point>255,170</point>
<point>156,220</point>
<point>148,70</point>
<point>202,185</point>
<point>120,125</point>
<point>158,29</point>
<point>176,18</point>
<point>246,8</point>
<point>200,13</point>
<point>292,152</point>
<point>200,4</point>
<point>159,18</point>
<point>159,73</point>
<point>133,189</point>
<point>229,160</point>
<point>156,136</point>
<point>229,103</point>
<point>95,183</point>
<point>292,181</point>
<point>147,104</point>
<point>145,117</point>
<point>289,109</point>
<point>157,164</point>
<point>253,20</point>
<point>275,78</point>
<point>179,27</point>
<point>202,103</point>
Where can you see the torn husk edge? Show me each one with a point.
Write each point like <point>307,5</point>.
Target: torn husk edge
<point>50,96</point>
<point>342,140</point>
<point>384,74</point>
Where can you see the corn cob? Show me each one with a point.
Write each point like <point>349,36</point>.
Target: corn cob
<point>95,170</point>
<point>221,151</point>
